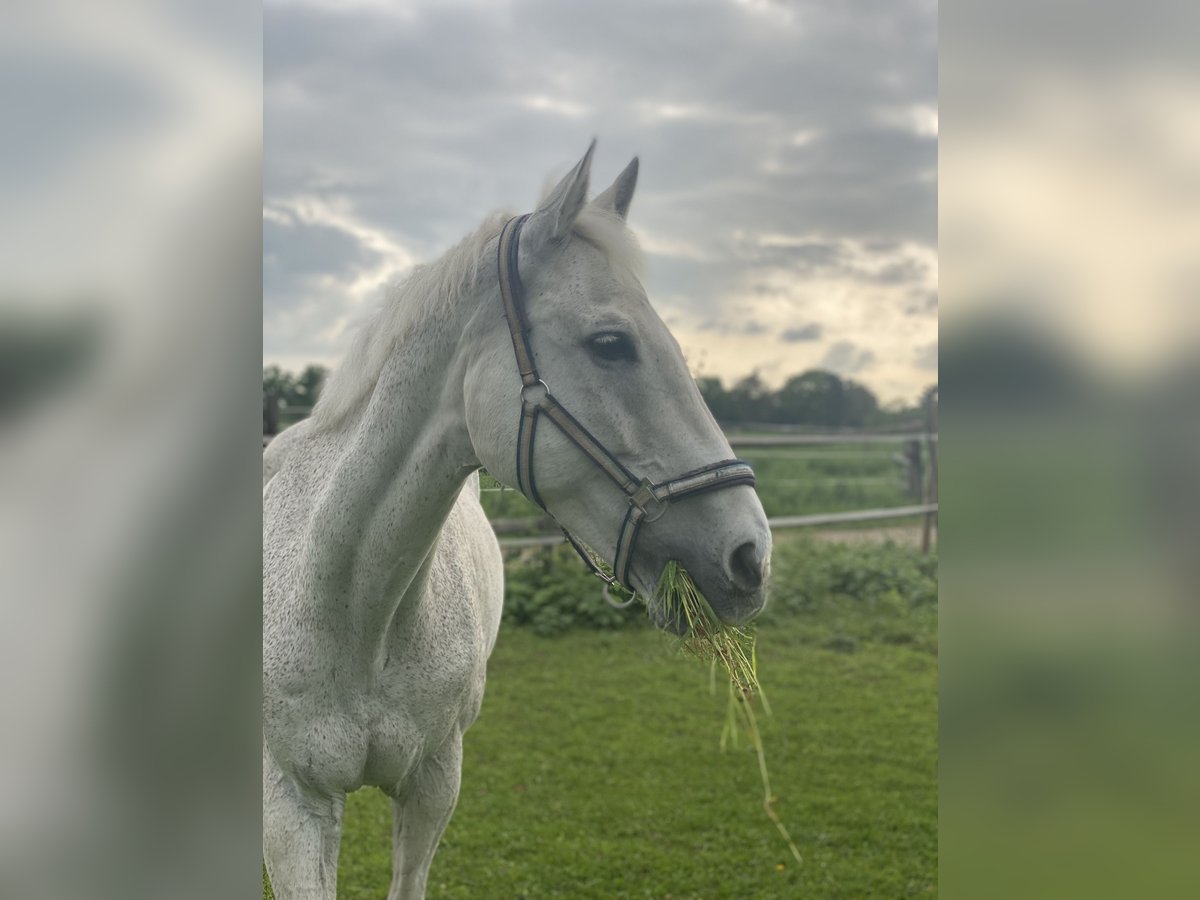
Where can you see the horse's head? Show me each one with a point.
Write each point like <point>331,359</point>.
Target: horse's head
<point>609,360</point>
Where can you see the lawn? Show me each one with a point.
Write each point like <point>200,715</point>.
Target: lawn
<point>594,770</point>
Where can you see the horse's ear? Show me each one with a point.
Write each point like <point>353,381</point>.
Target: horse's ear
<point>620,193</point>
<point>552,220</point>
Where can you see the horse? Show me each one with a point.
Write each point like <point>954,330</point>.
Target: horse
<point>382,580</point>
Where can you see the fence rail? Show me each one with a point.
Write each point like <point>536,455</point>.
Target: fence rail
<point>778,522</point>
<point>803,440</point>
<point>800,440</point>
<point>923,484</point>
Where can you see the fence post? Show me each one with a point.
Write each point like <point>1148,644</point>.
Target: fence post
<point>916,474</point>
<point>931,485</point>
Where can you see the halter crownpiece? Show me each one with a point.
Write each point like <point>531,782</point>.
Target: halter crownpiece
<point>647,500</point>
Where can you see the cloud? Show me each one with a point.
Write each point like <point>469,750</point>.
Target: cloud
<point>922,303</point>
<point>750,327</point>
<point>299,258</point>
<point>808,256</point>
<point>753,327</point>
<point>845,358</point>
<point>809,332</point>
<point>926,358</point>
<point>818,127</point>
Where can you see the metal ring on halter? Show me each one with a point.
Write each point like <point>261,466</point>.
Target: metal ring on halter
<point>538,385</point>
<point>647,500</point>
<point>652,509</point>
<point>616,604</point>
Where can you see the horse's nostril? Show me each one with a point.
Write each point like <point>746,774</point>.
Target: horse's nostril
<point>746,566</point>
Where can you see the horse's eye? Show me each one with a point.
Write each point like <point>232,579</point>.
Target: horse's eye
<point>612,346</point>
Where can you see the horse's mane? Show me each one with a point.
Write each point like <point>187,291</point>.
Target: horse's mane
<point>430,290</point>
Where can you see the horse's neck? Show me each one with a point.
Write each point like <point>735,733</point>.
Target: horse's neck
<point>398,473</point>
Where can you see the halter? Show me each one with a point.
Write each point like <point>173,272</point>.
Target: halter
<point>647,500</point>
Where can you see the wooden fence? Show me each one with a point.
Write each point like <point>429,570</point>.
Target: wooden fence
<point>918,458</point>
<point>776,523</point>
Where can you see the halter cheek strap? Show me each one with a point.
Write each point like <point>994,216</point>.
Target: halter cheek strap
<point>647,500</point>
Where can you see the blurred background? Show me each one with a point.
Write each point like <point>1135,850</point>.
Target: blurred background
<point>1071,436</point>
<point>130,248</point>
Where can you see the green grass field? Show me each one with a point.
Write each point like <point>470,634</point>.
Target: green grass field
<point>594,770</point>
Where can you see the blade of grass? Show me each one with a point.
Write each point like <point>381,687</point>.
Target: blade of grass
<point>705,637</point>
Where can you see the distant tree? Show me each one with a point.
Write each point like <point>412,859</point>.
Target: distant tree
<point>276,385</point>
<point>308,385</point>
<point>277,382</point>
<point>750,400</point>
<point>716,397</point>
<point>860,406</point>
<point>815,397</point>
<point>293,391</point>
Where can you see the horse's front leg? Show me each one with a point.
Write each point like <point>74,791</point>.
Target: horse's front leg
<point>421,811</point>
<point>302,830</point>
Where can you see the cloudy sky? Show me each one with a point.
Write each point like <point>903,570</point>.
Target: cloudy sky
<point>787,202</point>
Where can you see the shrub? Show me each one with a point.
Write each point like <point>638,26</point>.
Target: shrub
<point>810,575</point>
<point>550,591</point>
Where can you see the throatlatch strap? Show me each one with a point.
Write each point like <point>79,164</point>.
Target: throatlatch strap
<point>525,439</point>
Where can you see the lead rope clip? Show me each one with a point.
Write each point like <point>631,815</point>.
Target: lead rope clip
<point>617,604</point>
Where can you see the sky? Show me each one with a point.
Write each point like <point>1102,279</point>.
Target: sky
<point>787,199</point>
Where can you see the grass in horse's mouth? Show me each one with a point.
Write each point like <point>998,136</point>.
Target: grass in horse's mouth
<point>708,639</point>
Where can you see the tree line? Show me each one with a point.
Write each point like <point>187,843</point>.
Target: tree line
<point>294,390</point>
<point>814,398</point>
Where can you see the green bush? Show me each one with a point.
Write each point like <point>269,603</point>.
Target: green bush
<point>809,575</point>
<point>550,591</point>
<point>843,597</point>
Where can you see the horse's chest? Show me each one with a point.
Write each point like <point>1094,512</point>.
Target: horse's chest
<point>424,694</point>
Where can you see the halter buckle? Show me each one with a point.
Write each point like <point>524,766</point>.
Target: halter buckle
<point>645,499</point>
<point>534,393</point>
